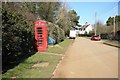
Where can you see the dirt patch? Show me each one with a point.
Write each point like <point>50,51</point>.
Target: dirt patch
<point>13,78</point>
<point>42,64</point>
<point>58,46</point>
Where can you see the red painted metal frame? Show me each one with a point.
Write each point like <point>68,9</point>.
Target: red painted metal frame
<point>41,35</point>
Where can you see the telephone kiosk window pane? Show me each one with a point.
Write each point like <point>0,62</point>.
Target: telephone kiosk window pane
<point>39,30</point>
<point>40,40</point>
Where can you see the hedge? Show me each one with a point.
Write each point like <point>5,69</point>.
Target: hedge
<point>17,38</point>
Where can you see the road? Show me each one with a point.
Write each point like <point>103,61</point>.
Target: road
<point>88,59</point>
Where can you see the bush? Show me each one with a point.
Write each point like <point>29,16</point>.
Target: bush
<point>17,38</point>
<point>104,36</point>
<point>55,32</point>
<point>85,35</point>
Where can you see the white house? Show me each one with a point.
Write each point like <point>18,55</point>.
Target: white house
<point>84,29</point>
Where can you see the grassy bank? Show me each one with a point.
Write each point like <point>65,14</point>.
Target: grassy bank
<point>61,47</point>
<point>26,69</point>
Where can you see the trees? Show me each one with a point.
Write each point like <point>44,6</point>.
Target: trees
<point>109,27</point>
<point>47,10</point>
<point>17,26</point>
<point>55,12</point>
<point>67,19</point>
<point>63,19</point>
<point>110,22</point>
<point>73,17</point>
<point>108,30</point>
<point>117,22</point>
<point>101,29</point>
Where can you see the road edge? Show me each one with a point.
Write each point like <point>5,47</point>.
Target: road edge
<point>111,45</point>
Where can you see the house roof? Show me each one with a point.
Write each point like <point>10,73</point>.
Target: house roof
<point>85,26</point>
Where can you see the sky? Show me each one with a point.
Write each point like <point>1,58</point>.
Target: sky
<point>87,10</point>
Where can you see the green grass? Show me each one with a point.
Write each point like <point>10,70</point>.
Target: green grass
<point>61,47</point>
<point>25,69</point>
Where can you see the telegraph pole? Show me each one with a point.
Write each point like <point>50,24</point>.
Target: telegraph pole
<point>114,21</point>
<point>114,26</point>
<point>95,23</point>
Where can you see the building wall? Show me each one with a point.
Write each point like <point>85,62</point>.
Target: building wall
<point>83,31</point>
<point>88,29</point>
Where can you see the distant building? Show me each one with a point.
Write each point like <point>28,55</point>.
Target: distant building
<point>84,29</point>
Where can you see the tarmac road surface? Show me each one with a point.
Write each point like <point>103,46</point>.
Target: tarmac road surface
<point>88,59</point>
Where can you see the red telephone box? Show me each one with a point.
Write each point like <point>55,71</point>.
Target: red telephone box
<point>40,28</point>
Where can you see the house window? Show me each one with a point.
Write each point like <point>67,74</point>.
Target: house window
<point>80,29</point>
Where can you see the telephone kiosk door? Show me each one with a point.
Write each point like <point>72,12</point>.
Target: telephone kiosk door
<point>41,35</point>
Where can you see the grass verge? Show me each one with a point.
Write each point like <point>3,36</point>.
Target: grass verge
<point>112,43</point>
<point>25,69</point>
<point>61,47</point>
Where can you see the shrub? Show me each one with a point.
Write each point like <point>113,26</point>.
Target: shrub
<point>55,32</point>
<point>17,38</point>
